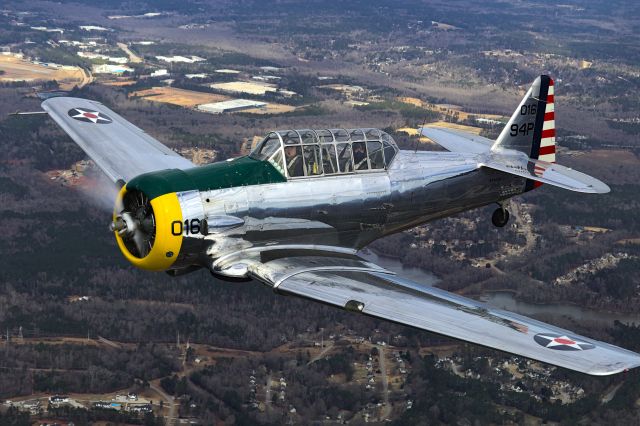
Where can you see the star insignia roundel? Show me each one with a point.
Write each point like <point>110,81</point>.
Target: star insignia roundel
<point>89,116</point>
<point>561,342</point>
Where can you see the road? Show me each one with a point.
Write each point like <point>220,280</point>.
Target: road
<point>132,56</point>
<point>610,393</point>
<point>322,353</point>
<point>267,393</point>
<point>516,210</point>
<point>109,342</point>
<point>171,419</point>
<point>386,407</point>
<point>87,78</point>
<point>457,370</point>
<point>527,228</point>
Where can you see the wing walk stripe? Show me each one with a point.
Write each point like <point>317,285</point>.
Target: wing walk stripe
<point>330,269</point>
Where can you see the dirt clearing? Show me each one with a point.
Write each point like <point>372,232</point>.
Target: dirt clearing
<point>181,97</point>
<point>17,69</point>
<point>271,109</point>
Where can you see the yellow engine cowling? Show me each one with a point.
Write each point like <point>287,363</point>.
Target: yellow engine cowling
<point>165,244</point>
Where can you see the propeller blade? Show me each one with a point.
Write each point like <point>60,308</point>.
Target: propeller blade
<point>140,242</point>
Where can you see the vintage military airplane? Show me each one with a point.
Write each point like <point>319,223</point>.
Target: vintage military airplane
<point>294,213</point>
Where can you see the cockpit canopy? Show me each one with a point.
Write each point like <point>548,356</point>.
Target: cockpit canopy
<point>305,153</point>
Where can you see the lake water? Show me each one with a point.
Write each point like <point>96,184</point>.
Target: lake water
<point>414,274</point>
<point>505,299</point>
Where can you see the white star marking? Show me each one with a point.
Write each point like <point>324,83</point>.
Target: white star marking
<point>93,116</point>
<point>563,341</point>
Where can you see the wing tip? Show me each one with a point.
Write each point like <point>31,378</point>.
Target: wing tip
<point>595,186</point>
<point>59,99</point>
<point>609,370</point>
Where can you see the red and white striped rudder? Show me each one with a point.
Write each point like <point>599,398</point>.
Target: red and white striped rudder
<point>547,150</point>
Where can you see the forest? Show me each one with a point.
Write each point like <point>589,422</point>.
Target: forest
<point>148,311</point>
<point>64,288</point>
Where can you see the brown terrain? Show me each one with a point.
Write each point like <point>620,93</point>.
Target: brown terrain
<point>16,69</point>
<point>181,97</point>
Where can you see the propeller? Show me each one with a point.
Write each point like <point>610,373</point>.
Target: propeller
<point>135,223</point>
<point>133,215</point>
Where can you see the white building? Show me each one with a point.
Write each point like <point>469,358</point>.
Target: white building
<point>270,69</point>
<point>49,30</point>
<point>200,75</point>
<point>118,59</point>
<point>227,71</point>
<point>488,121</point>
<point>93,28</point>
<point>114,59</point>
<point>159,73</point>
<point>176,58</point>
<point>230,106</point>
<point>111,69</point>
<point>252,88</point>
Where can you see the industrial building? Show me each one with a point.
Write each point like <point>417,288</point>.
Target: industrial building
<point>252,88</point>
<point>230,106</point>
<point>111,69</point>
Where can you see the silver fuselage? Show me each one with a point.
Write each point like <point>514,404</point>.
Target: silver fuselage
<point>343,211</point>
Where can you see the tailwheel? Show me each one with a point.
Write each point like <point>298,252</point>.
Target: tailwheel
<point>500,217</point>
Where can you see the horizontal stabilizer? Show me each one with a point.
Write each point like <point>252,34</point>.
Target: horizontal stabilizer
<point>542,171</point>
<point>457,141</point>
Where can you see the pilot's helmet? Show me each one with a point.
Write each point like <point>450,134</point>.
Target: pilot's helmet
<point>290,138</point>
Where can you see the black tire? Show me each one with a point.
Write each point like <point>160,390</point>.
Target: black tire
<point>500,217</point>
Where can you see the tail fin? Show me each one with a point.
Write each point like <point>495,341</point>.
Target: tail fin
<point>532,128</point>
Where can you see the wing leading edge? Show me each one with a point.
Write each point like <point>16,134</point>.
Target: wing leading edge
<point>379,293</point>
<point>118,148</point>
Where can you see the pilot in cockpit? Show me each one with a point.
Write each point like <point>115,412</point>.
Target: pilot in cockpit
<point>294,161</point>
<point>359,156</point>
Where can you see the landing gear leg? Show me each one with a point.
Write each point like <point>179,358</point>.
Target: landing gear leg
<point>500,216</point>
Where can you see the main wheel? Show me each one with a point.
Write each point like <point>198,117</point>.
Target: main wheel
<point>500,217</point>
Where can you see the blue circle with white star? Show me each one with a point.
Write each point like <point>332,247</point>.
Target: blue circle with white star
<point>561,342</point>
<point>89,116</point>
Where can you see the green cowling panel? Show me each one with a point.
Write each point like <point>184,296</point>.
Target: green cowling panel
<point>242,171</point>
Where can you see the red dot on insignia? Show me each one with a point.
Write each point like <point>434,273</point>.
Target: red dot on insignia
<point>90,115</point>
<point>564,341</point>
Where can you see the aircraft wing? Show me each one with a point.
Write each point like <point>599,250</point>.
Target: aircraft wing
<point>359,286</point>
<point>119,148</point>
<point>457,141</point>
